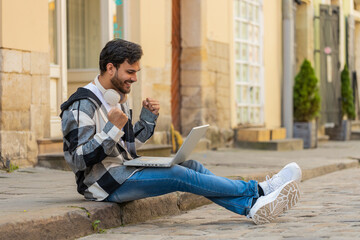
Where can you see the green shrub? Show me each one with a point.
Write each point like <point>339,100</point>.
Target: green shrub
<point>347,99</point>
<point>306,94</point>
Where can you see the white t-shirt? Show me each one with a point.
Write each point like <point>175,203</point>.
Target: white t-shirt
<point>92,87</point>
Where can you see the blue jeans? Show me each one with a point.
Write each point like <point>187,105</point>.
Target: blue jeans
<point>191,176</point>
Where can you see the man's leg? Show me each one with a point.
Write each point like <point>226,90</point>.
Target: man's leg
<point>196,166</point>
<point>235,195</point>
<point>279,193</point>
<point>230,203</point>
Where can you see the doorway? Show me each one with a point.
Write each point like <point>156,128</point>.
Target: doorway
<point>330,85</point>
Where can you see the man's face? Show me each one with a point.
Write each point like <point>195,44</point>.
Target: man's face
<point>125,75</point>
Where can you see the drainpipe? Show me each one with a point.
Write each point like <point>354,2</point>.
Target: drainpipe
<point>288,64</point>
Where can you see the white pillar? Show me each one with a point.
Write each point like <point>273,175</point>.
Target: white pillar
<point>106,22</point>
<point>288,66</point>
<point>62,46</point>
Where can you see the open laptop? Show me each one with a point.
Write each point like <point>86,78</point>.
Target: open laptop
<point>186,148</point>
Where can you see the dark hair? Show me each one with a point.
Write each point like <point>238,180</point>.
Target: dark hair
<point>117,51</point>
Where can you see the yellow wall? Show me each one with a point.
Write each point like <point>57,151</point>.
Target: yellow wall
<point>220,28</point>
<point>150,26</point>
<point>218,20</point>
<point>153,34</point>
<point>28,33</point>
<point>348,7</point>
<point>272,11</point>
<point>1,22</point>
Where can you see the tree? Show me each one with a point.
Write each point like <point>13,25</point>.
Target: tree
<point>306,94</point>
<point>347,99</point>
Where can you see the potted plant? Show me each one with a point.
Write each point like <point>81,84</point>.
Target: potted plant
<point>343,130</point>
<point>306,105</point>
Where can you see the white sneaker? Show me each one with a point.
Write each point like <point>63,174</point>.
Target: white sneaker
<point>268,207</point>
<point>291,172</point>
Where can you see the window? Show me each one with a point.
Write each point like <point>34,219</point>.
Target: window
<point>84,30</point>
<point>83,33</point>
<point>118,18</point>
<point>248,61</point>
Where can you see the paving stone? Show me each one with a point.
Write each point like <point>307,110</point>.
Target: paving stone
<point>42,203</point>
<point>312,218</point>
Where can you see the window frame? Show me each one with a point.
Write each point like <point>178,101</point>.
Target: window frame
<point>248,104</point>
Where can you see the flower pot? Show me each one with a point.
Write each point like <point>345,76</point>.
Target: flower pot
<point>307,131</point>
<point>340,132</point>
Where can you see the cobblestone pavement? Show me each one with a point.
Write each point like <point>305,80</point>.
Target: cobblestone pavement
<point>329,208</point>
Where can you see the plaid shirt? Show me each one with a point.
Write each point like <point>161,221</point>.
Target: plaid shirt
<point>95,149</point>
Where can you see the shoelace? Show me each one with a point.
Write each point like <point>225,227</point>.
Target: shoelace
<point>271,182</point>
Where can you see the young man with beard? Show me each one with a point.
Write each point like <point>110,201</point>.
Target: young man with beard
<point>99,137</point>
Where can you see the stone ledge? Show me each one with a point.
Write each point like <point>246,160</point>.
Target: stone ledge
<point>56,160</point>
<point>355,135</point>
<point>252,135</point>
<point>53,161</point>
<point>50,145</point>
<point>355,125</point>
<point>275,145</point>
<point>76,220</point>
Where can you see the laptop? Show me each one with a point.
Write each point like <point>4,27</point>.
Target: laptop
<point>183,153</point>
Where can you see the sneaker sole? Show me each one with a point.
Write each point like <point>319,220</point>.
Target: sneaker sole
<point>286,199</point>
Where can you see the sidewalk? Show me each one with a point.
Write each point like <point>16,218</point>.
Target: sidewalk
<point>39,203</point>
<point>328,209</point>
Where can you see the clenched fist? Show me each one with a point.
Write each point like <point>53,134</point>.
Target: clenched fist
<point>152,105</point>
<point>117,117</point>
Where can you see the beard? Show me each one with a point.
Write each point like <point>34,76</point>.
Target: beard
<point>120,85</point>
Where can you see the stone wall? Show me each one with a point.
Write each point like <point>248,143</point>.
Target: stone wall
<point>24,104</point>
<point>304,34</point>
<point>205,90</point>
<point>155,83</point>
<point>218,67</point>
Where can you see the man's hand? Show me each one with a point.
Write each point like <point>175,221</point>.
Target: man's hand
<point>152,105</point>
<point>117,117</point>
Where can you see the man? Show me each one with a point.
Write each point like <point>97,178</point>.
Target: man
<point>99,136</point>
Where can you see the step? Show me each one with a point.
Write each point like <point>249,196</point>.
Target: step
<point>260,134</point>
<point>355,135</point>
<point>289,144</point>
<point>56,160</point>
<point>252,135</point>
<point>50,145</point>
<point>323,138</point>
<point>53,161</point>
<point>355,125</point>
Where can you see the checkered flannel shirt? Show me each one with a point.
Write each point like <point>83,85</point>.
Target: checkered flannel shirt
<point>95,149</point>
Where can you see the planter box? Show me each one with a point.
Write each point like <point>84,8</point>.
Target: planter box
<point>307,131</point>
<point>340,133</point>
<point>253,135</point>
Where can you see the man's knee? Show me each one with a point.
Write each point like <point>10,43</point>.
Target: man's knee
<point>192,164</point>
<point>177,171</point>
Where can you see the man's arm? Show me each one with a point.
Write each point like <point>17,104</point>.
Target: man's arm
<point>145,127</point>
<point>83,147</point>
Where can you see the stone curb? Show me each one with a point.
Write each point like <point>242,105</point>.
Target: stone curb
<point>78,221</point>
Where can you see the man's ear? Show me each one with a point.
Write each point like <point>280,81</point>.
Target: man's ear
<point>110,68</point>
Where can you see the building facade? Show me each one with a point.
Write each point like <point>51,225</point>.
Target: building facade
<point>229,74</point>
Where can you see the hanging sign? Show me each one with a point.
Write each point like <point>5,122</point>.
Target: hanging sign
<point>327,50</point>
